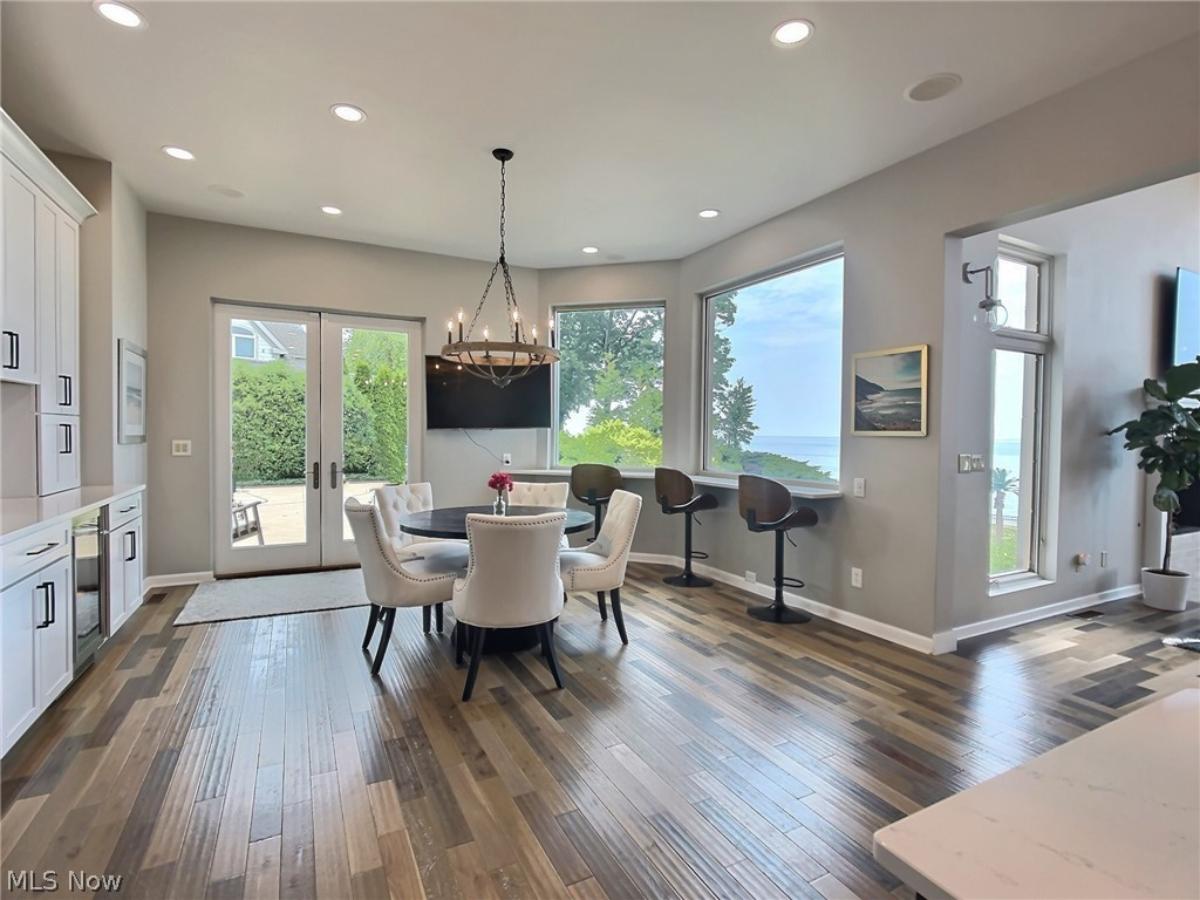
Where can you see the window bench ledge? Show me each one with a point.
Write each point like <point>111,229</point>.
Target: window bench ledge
<point>803,492</point>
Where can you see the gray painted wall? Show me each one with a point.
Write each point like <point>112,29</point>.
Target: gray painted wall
<point>1133,126</point>
<point>191,262</point>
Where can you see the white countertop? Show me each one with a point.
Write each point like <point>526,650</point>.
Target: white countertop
<point>1112,813</point>
<point>19,515</point>
<point>804,492</point>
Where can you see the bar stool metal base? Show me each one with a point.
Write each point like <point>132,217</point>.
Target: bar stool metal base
<point>688,579</point>
<point>783,615</point>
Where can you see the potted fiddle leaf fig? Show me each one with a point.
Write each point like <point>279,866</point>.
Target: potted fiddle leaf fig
<point>1166,437</point>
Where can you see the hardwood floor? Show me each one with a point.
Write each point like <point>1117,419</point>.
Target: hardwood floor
<point>715,755</point>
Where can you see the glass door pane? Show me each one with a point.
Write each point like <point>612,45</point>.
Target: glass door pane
<point>268,415</point>
<point>1013,496</point>
<point>368,416</point>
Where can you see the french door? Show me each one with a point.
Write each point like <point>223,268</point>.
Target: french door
<point>310,408</point>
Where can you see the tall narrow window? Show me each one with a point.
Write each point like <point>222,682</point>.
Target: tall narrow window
<point>1019,360</point>
<point>773,403</point>
<point>608,386</point>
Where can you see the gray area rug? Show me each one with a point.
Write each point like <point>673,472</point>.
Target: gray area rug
<point>273,595</point>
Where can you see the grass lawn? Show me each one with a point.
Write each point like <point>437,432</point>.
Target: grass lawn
<point>1003,550</point>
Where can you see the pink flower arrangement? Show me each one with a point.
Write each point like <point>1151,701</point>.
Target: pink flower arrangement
<point>500,481</point>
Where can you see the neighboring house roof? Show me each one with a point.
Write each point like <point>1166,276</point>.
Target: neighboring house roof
<point>285,340</point>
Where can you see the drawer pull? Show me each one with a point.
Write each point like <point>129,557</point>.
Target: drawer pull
<point>126,509</point>
<point>46,549</point>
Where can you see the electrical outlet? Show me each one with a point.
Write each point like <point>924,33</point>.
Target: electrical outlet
<point>181,448</point>
<point>860,487</point>
<point>977,463</point>
<point>855,577</point>
<point>751,577</point>
<point>507,457</point>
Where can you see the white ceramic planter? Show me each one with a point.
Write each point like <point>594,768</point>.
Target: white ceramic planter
<point>1168,592</point>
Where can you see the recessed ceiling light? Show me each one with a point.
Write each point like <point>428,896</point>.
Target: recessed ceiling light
<point>331,210</point>
<point>119,13</point>
<point>348,112</point>
<point>591,249</point>
<point>178,153</point>
<point>792,33</point>
<point>709,213</point>
<point>934,87</point>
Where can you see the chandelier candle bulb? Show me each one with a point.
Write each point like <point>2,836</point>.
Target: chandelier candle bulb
<point>449,333</point>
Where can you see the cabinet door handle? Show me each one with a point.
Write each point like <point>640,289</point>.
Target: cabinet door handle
<point>132,535</point>
<point>67,444</point>
<point>332,475</point>
<point>66,386</point>
<point>14,350</point>
<point>46,549</point>
<point>53,602</point>
<point>316,476</point>
<point>45,587</point>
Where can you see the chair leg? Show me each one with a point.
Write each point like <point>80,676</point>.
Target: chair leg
<point>438,611</point>
<point>779,612</point>
<point>603,608</point>
<point>374,617</point>
<point>460,642</point>
<point>477,635</point>
<point>389,618</point>
<point>615,594</point>
<point>547,633</point>
<point>425,618</point>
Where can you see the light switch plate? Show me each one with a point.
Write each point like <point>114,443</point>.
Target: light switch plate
<point>964,463</point>
<point>855,577</point>
<point>181,448</point>
<point>860,487</point>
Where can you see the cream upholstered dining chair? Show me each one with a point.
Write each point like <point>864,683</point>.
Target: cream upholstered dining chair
<point>398,500</point>
<point>541,493</point>
<point>512,581</point>
<point>600,566</point>
<point>425,578</point>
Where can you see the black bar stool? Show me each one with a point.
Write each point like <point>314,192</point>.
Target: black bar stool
<point>677,494</point>
<point>766,505</point>
<point>593,484</point>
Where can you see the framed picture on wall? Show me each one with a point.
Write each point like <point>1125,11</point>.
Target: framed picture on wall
<point>131,393</point>
<point>891,392</point>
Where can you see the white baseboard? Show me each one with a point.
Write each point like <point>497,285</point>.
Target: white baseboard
<point>156,582</point>
<point>999,623</point>
<point>867,625</point>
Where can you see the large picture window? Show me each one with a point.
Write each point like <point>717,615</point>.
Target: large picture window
<point>774,380</point>
<point>608,386</point>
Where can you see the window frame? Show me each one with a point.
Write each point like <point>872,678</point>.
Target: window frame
<point>706,359</point>
<point>249,335</point>
<point>556,310</point>
<point>1040,344</point>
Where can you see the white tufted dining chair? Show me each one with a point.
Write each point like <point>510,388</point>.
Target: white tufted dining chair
<point>512,581</point>
<point>541,493</point>
<point>601,565</point>
<point>424,579</point>
<point>398,500</point>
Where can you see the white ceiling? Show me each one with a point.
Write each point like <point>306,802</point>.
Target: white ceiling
<point>626,118</point>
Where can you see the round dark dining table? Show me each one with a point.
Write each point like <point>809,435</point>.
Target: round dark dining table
<point>451,522</point>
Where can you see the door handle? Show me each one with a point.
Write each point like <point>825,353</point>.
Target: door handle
<point>45,587</point>
<point>14,350</point>
<point>332,475</point>
<point>67,443</point>
<point>316,476</point>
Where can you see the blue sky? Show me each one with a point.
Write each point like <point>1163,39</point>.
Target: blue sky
<point>787,342</point>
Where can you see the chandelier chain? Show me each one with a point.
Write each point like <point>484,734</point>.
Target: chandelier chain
<point>510,295</point>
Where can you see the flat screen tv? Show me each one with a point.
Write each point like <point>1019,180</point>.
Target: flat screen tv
<point>1185,321</point>
<point>457,399</point>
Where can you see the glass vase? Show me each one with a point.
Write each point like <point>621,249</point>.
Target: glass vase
<point>500,507</point>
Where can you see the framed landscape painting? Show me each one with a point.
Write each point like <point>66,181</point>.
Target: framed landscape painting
<point>131,393</point>
<point>891,392</point>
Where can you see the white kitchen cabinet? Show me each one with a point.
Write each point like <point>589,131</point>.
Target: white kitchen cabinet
<point>125,571</point>
<point>58,453</point>
<point>19,313</point>
<point>36,636</point>
<point>58,270</point>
